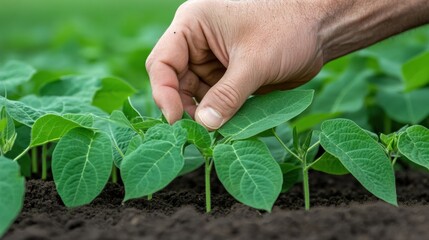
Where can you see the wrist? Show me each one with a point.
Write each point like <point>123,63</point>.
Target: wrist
<point>349,25</point>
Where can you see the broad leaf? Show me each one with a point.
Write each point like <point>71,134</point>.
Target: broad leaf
<point>155,163</point>
<point>61,104</point>
<point>263,112</point>
<point>249,173</point>
<point>82,87</point>
<point>405,107</point>
<point>416,72</point>
<point>51,127</point>
<point>21,112</point>
<point>12,189</point>
<point>113,93</point>
<point>414,144</point>
<point>81,165</point>
<point>14,74</point>
<point>330,165</point>
<point>361,155</point>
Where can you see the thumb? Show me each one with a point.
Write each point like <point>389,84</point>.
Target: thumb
<point>224,99</point>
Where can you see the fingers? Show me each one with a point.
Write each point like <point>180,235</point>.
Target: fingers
<point>224,99</point>
<point>192,90</point>
<point>168,59</point>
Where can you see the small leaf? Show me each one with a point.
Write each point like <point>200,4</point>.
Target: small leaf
<point>7,132</point>
<point>51,127</point>
<point>130,111</point>
<point>414,144</point>
<point>197,134</point>
<point>361,155</point>
<point>121,138</point>
<point>330,165</point>
<point>81,165</point>
<point>249,173</point>
<point>155,163</point>
<point>11,191</point>
<point>263,112</point>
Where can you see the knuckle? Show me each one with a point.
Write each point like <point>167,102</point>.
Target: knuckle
<point>227,96</point>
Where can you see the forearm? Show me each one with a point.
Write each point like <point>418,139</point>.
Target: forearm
<point>349,25</point>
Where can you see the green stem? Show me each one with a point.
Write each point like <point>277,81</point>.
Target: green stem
<point>34,163</point>
<point>286,147</point>
<point>44,162</point>
<point>305,183</point>
<point>312,163</point>
<point>208,167</point>
<point>21,154</point>
<point>306,187</point>
<point>313,146</point>
<point>114,174</point>
<point>149,197</point>
<point>394,160</point>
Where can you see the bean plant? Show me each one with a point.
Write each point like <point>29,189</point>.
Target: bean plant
<point>85,130</point>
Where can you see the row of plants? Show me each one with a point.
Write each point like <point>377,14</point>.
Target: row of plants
<point>72,127</point>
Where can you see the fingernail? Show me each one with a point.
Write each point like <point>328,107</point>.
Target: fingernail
<point>210,118</point>
<point>165,115</point>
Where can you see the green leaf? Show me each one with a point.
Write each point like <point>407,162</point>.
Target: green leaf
<point>330,165</point>
<point>121,138</point>
<point>249,173</point>
<point>14,74</point>
<point>155,163</point>
<point>311,120</point>
<point>61,104</point>
<point>144,123</point>
<point>347,94</point>
<point>113,93</point>
<point>197,134</point>
<point>414,144</point>
<point>11,191</point>
<point>81,165</point>
<point>51,127</point>
<point>21,112</point>
<point>130,111</point>
<point>263,112</point>
<point>82,87</point>
<point>405,107</point>
<point>134,143</point>
<point>7,132</point>
<point>361,155</point>
<point>193,160</point>
<point>416,72</point>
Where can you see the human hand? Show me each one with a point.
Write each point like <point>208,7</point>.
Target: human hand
<point>219,52</point>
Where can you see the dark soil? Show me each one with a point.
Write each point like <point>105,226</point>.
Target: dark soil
<point>341,209</point>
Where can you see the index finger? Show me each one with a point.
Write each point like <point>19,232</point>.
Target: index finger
<point>167,61</point>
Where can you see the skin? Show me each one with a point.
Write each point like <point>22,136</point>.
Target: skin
<point>216,53</point>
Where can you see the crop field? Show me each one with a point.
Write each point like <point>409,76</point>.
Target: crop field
<point>85,152</point>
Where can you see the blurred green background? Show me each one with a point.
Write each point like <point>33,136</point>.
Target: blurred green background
<point>84,36</point>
